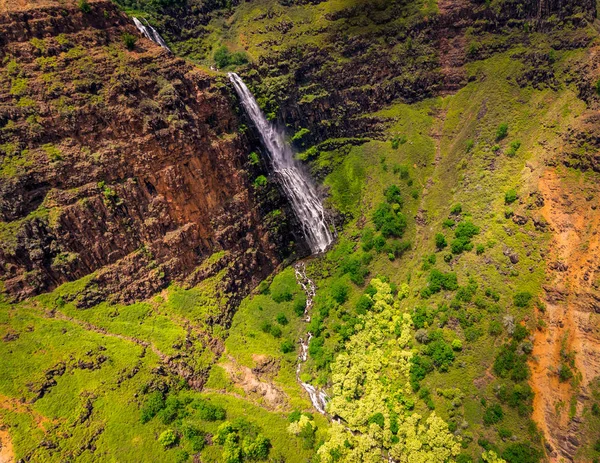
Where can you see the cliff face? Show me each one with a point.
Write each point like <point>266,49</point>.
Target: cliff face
<point>126,163</point>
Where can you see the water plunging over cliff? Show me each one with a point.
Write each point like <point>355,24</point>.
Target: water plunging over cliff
<point>150,33</point>
<point>296,184</point>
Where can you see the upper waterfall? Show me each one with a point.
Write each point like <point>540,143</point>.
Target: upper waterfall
<point>150,33</point>
<point>296,184</point>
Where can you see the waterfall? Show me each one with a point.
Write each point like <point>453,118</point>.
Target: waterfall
<point>150,33</point>
<point>296,184</point>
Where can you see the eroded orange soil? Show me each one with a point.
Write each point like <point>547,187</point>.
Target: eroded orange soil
<point>572,307</point>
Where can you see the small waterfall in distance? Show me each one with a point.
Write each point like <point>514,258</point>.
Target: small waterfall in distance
<point>296,184</point>
<point>150,33</point>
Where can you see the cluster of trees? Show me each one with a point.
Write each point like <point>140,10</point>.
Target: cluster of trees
<point>241,442</point>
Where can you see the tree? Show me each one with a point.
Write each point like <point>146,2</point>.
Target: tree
<point>167,438</point>
<point>440,241</point>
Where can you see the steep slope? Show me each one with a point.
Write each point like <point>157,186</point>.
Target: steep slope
<point>124,163</point>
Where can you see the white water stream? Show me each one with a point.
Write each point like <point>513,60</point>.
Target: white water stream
<point>296,184</point>
<point>150,33</point>
<point>317,396</point>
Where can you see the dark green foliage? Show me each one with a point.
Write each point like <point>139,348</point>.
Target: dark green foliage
<point>493,415</point>
<point>598,87</point>
<point>287,346</point>
<point>354,265</point>
<point>502,131</point>
<point>597,446</point>
<point>519,396</point>
<point>511,364</point>
<point>388,221</point>
<point>510,197</point>
<point>275,331</point>
<point>207,411</point>
<point>456,209</point>
<point>397,248</point>
<point>339,292</point>
<point>253,158</point>
<point>300,305</point>
<point>595,409</point>
<point>512,150</point>
<point>393,196</point>
<point>363,304</point>
<point>281,319</point>
<point>440,241</point>
<point>495,328</point>
<point>129,40</point>
<point>422,316</point>
<point>281,294</point>
<point>172,409</point>
<point>522,299</point>
<point>419,367</point>
<point>464,458</point>
<point>480,249</point>
<point>194,436</point>
<point>448,223</point>
<point>521,453</point>
<point>84,6</point>
<point>564,373</point>
<point>504,433</point>
<point>377,419</point>
<point>441,354</point>
<point>464,232</point>
<point>242,442</point>
<point>224,58</point>
<point>438,281</point>
<point>295,416</point>
<point>260,182</point>
<point>469,145</point>
<point>154,403</point>
<point>520,332</point>
<point>398,140</point>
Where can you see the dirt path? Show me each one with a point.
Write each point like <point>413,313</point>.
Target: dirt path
<point>572,303</point>
<point>7,454</point>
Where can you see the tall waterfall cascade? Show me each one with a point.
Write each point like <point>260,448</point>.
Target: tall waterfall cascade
<point>296,183</point>
<point>150,33</point>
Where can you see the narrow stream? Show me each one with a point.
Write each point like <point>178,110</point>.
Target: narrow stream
<point>317,396</point>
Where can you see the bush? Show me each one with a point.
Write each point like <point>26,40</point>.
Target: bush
<point>469,145</point>
<point>377,419</point>
<point>300,305</point>
<point>260,181</point>
<point>153,404</point>
<point>521,453</point>
<point>510,364</point>
<point>439,280</point>
<point>169,413</point>
<point>512,150</point>
<point>84,6</point>
<point>495,328</point>
<point>393,195</point>
<point>398,140</point>
<point>456,209</point>
<point>389,222</point>
<point>339,292</point>
<point>208,411</point>
<point>493,415</point>
<point>363,304</point>
<point>457,345</point>
<point>287,346</point>
<point>502,131</point>
<point>129,40</point>
<point>275,331</point>
<point>441,354</point>
<point>522,299</point>
<point>167,438</point>
<point>281,319</point>
<point>224,58</point>
<point>510,196</point>
<point>440,241</point>
<point>480,249</point>
<point>281,294</point>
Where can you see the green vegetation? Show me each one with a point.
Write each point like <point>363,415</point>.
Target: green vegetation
<point>224,58</point>
<point>129,40</point>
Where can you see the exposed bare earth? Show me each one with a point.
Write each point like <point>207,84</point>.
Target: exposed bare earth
<point>572,304</point>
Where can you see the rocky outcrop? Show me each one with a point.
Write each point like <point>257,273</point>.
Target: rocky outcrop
<point>119,160</point>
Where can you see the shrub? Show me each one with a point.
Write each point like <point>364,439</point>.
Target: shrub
<point>169,414</point>
<point>300,305</point>
<point>281,294</point>
<point>493,415</point>
<point>194,436</point>
<point>393,196</point>
<point>502,131</point>
<point>260,181</point>
<point>153,404</point>
<point>389,222</point>
<point>339,292</point>
<point>364,303</point>
<point>522,299</point>
<point>457,345</point>
<point>377,419</point>
<point>564,373</point>
<point>448,223</point>
<point>167,438</point>
<point>598,87</point>
<point>510,196</point>
<point>84,6</point>
<point>441,354</point>
<point>469,146</point>
<point>287,346</point>
<point>281,319</point>
<point>398,140</point>
<point>480,249</point>
<point>224,58</point>
<point>456,209</point>
<point>509,363</point>
<point>521,453</point>
<point>514,147</point>
<point>439,280</point>
<point>419,367</point>
<point>275,331</point>
<point>129,40</point>
<point>440,241</point>
<point>208,411</point>
<point>495,328</point>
